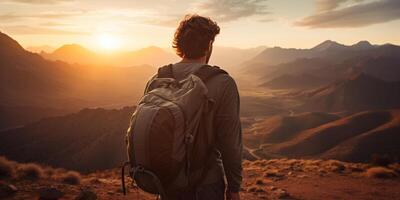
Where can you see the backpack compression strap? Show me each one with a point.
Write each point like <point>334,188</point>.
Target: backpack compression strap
<point>165,72</point>
<point>204,73</point>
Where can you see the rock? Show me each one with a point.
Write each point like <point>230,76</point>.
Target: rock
<point>302,176</point>
<point>282,194</point>
<point>50,194</point>
<point>86,195</point>
<point>273,188</point>
<point>273,173</point>
<point>338,168</point>
<point>7,190</point>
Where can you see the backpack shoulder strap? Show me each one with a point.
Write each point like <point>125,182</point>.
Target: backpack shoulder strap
<point>206,72</point>
<point>165,72</point>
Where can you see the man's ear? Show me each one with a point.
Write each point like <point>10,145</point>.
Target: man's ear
<point>210,46</point>
<point>209,51</point>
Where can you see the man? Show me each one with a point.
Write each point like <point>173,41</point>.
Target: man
<point>193,42</point>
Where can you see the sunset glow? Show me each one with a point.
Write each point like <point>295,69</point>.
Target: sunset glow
<point>108,42</point>
<point>244,24</point>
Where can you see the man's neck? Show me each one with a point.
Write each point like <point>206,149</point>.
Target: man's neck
<point>201,60</point>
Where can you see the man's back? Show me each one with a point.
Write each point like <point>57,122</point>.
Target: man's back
<point>193,42</point>
<point>221,88</point>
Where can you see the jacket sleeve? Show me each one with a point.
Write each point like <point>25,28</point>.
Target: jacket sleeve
<point>229,135</point>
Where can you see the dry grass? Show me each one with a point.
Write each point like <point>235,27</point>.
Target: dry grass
<point>335,166</point>
<point>7,169</point>
<point>71,177</point>
<point>273,173</point>
<point>380,172</point>
<point>395,167</point>
<point>260,182</point>
<point>255,189</point>
<point>30,171</point>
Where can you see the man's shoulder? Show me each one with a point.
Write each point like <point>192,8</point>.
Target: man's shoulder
<point>225,77</point>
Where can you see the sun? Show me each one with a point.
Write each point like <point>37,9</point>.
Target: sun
<point>108,41</point>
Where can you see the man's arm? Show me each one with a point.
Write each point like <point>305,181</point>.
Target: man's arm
<point>229,135</point>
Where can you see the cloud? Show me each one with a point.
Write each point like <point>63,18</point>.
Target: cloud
<point>30,30</point>
<point>53,24</point>
<point>40,1</point>
<point>231,10</point>
<point>42,15</point>
<point>327,5</point>
<point>355,16</point>
<point>172,21</point>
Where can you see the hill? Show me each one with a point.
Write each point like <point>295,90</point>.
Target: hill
<point>263,179</point>
<point>227,57</point>
<point>329,50</point>
<point>92,139</point>
<point>281,128</point>
<point>36,87</point>
<point>353,138</point>
<point>75,53</point>
<point>328,61</point>
<point>360,92</point>
<point>303,81</point>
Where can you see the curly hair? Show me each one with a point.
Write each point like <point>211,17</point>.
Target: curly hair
<point>193,36</point>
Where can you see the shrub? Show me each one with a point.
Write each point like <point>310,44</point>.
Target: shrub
<point>335,166</point>
<point>29,171</point>
<point>382,160</point>
<point>71,177</point>
<point>380,172</point>
<point>252,189</point>
<point>7,170</point>
<point>273,173</point>
<point>259,182</point>
<point>395,167</point>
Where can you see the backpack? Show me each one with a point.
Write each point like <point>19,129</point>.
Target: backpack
<point>169,140</point>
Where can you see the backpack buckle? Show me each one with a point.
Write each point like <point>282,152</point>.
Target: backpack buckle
<point>139,168</point>
<point>189,138</point>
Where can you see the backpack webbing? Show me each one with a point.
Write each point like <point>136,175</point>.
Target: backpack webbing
<point>205,72</point>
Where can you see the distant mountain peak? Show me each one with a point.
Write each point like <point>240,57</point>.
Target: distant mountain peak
<point>75,47</point>
<point>328,44</point>
<point>72,49</point>
<point>362,45</point>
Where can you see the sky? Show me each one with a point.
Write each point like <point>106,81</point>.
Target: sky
<point>133,24</point>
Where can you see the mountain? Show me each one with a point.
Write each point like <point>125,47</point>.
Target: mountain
<point>354,138</point>
<point>329,45</point>
<point>152,55</point>
<point>268,62</point>
<point>44,88</point>
<point>40,49</point>
<point>76,54</point>
<point>360,92</point>
<point>73,53</point>
<point>281,128</point>
<point>89,140</point>
<point>231,58</point>
<point>303,81</point>
<point>362,45</point>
